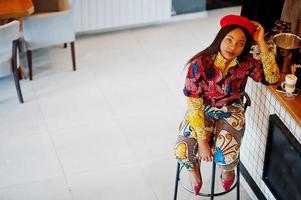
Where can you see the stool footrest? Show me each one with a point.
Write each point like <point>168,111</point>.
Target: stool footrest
<point>206,194</point>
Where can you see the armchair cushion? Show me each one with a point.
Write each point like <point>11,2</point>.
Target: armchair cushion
<point>47,29</point>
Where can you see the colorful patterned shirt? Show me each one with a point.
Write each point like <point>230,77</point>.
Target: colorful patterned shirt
<point>218,87</point>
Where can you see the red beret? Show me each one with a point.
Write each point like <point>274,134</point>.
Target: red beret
<point>238,20</point>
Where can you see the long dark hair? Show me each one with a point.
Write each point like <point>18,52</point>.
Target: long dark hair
<point>214,47</point>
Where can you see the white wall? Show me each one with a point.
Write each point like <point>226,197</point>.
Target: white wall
<point>99,15</point>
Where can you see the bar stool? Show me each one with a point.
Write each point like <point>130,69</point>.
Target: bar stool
<point>247,102</point>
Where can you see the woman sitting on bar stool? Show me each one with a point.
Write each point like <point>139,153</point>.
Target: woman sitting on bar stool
<point>215,83</point>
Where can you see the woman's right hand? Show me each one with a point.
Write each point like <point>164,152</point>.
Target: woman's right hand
<point>204,151</point>
<point>258,34</point>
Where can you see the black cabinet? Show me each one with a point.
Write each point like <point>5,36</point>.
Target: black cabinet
<point>190,6</point>
<point>263,11</point>
<point>213,4</point>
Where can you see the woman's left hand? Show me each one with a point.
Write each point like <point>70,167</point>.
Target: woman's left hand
<point>258,35</point>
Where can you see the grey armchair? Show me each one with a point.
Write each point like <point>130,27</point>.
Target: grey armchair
<point>9,58</point>
<point>51,24</point>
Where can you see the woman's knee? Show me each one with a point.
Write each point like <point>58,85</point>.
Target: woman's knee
<point>226,149</point>
<point>185,149</point>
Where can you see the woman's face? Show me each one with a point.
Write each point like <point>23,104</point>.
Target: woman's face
<point>233,44</point>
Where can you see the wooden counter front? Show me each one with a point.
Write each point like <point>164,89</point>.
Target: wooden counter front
<point>293,106</point>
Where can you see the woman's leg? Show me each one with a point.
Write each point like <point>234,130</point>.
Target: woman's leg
<point>185,152</point>
<point>227,144</point>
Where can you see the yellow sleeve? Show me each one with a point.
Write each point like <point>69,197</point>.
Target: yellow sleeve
<point>195,117</point>
<point>270,68</point>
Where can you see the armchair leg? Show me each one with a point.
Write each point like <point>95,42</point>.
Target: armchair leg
<point>73,56</point>
<point>29,60</point>
<point>18,88</point>
<point>16,73</point>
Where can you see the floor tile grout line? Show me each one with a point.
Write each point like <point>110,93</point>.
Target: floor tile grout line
<point>56,153</point>
<point>137,160</point>
<point>29,182</point>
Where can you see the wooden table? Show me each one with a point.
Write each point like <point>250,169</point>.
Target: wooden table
<point>15,9</point>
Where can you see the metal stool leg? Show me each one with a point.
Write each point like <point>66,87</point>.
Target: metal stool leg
<point>212,180</point>
<point>177,181</point>
<point>237,182</point>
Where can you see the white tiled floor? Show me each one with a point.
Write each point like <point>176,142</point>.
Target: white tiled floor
<point>107,130</point>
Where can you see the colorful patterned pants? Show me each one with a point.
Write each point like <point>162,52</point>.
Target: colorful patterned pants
<point>224,127</point>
